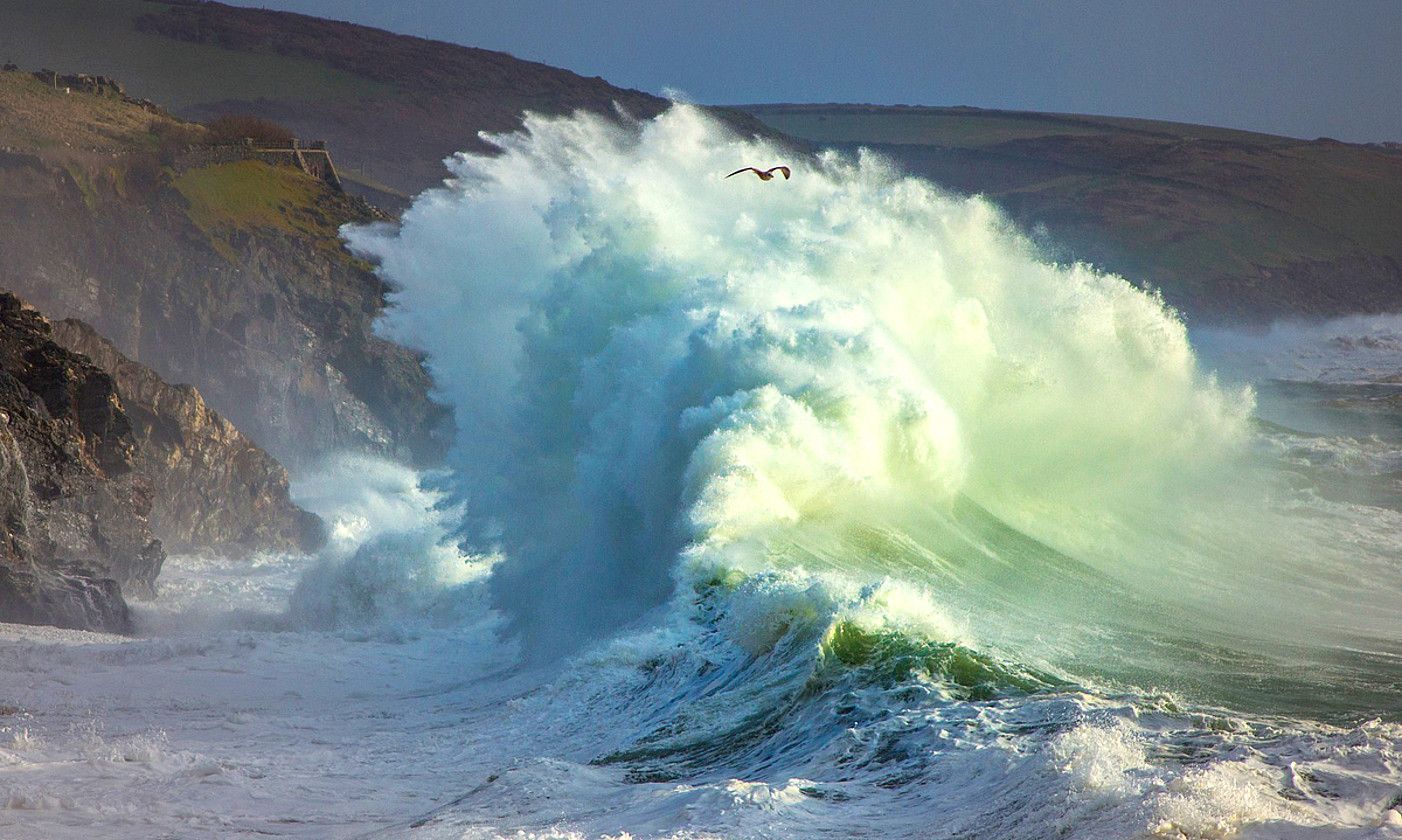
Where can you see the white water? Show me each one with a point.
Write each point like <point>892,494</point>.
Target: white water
<point>232,719</point>
<point>228,716</point>
<point>659,372</point>
<point>858,517</point>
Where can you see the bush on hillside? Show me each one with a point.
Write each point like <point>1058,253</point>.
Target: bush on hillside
<point>235,128</point>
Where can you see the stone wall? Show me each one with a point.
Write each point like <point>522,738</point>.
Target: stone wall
<point>313,158</point>
<point>91,84</point>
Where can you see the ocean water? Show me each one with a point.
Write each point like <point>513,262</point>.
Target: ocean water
<point>818,508</point>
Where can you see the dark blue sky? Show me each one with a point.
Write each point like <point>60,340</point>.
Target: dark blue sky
<point>1299,67</point>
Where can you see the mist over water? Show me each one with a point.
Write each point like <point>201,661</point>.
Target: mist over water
<point>391,556</point>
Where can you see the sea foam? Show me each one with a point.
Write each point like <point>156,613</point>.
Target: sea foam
<point>660,374</point>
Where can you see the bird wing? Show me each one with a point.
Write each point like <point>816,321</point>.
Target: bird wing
<point>738,171</point>
<point>782,169</point>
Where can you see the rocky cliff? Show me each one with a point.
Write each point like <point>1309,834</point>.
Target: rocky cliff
<point>212,488</point>
<point>76,511</point>
<point>224,272</point>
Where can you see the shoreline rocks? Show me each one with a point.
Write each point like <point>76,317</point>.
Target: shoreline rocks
<point>76,512</point>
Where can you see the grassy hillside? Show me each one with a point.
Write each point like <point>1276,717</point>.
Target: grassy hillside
<point>36,117</point>
<point>392,107</point>
<point>246,197</point>
<point>102,36</point>
<point>1231,225</point>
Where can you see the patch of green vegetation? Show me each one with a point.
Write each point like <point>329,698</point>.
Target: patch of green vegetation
<point>252,195</point>
<point>117,177</point>
<point>85,182</point>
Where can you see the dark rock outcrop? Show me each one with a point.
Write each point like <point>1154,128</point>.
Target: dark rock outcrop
<point>76,512</point>
<point>213,489</point>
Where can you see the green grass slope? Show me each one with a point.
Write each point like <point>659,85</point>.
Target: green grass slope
<point>391,106</point>
<point>104,36</point>
<point>1231,225</point>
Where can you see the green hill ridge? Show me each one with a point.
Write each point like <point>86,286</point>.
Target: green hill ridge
<point>1231,225</point>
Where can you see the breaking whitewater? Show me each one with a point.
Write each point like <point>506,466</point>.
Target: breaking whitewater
<point>814,508</point>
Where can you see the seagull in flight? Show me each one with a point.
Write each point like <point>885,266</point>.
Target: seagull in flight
<point>763,174</point>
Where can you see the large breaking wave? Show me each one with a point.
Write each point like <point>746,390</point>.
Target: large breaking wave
<point>657,369</point>
<point>794,459</point>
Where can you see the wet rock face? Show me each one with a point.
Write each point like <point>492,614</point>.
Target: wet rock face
<point>76,511</point>
<point>62,599</point>
<point>213,488</point>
